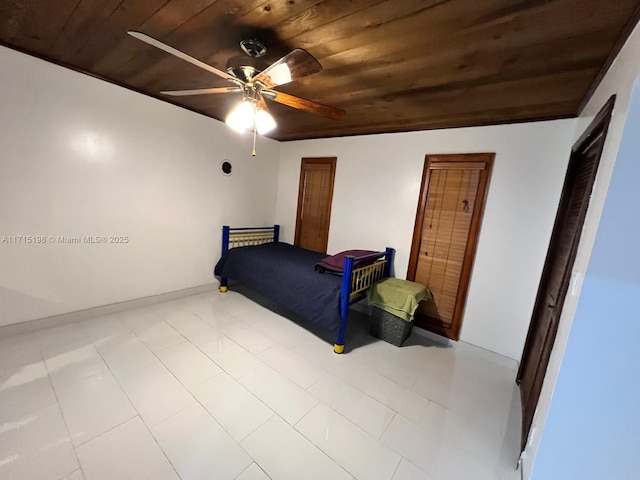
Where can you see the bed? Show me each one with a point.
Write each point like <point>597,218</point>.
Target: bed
<point>286,275</point>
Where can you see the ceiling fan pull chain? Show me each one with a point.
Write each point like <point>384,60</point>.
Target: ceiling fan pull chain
<point>253,153</point>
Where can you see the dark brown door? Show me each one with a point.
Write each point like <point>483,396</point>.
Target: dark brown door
<point>445,236</point>
<point>556,274</point>
<point>314,203</point>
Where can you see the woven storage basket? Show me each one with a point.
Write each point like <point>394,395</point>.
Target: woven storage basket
<point>388,327</point>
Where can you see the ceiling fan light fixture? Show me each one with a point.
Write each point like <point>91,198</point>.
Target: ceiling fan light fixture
<point>245,116</point>
<point>242,117</point>
<point>264,122</point>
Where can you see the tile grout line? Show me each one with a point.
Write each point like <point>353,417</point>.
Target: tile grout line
<point>108,430</point>
<point>346,381</point>
<point>274,414</point>
<point>394,450</point>
<point>366,395</point>
<point>324,374</point>
<point>258,465</point>
<point>168,325</point>
<point>355,425</point>
<point>307,439</point>
<point>250,393</point>
<point>136,410</point>
<point>313,443</point>
<point>385,431</point>
<point>414,465</point>
<point>197,401</point>
<point>393,475</point>
<point>90,341</point>
<point>59,408</point>
<point>253,356</point>
<point>255,429</point>
<point>239,346</point>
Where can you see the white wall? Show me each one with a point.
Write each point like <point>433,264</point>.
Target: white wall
<point>595,374</point>
<point>619,80</point>
<point>376,194</point>
<point>79,156</point>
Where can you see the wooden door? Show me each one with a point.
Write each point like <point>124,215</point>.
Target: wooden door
<point>561,255</point>
<point>445,236</point>
<point>314,203</point>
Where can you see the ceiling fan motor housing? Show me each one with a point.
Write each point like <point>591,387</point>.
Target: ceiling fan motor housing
<point>243,67</point>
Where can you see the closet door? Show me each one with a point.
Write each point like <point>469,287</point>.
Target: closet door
<point>445,236</point>
<point>556,275</point>
<point>314,203</point>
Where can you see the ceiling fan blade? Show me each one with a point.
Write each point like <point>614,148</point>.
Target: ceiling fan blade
<point>307,105</point>
<point>201,91</point>
<point>294,65</point>
<point>177,53</point>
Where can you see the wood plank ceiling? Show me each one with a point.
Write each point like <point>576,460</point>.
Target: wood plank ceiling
<point>393,65</point>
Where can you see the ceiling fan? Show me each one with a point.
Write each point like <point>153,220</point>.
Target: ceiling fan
<point>252,112</point>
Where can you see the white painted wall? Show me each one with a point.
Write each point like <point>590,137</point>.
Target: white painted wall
<point>376,194</point>
<point>595,374</point>
<point>619,80</point>
<point>79,156</point>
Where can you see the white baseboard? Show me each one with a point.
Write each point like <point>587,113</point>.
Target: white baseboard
<point>495,357</point>
<point>80,315</point>
<point>498,358</point>
<point>433,336</point>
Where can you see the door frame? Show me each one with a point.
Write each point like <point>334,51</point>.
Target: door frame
<point>331,161</point>
<point>598,127</point>
<point>472,242</point>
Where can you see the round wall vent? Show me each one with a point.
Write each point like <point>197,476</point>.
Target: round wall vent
<point>226,168</point>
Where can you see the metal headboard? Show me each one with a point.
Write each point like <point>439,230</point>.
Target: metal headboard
<point>245,237</point>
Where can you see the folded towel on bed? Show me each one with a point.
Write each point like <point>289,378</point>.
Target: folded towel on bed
<point>335,263</point>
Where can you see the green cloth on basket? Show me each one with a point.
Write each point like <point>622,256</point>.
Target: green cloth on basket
<point>398,297</point>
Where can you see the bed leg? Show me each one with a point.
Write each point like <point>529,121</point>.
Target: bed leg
<point>338,347</point>
<point>223,285</point>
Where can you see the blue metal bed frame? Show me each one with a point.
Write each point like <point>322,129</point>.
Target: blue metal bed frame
<point>259,235</point>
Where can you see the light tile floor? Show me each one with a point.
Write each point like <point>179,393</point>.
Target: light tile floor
<point>214,386</point>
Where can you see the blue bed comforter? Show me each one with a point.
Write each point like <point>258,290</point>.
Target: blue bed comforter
<point>285,275</point>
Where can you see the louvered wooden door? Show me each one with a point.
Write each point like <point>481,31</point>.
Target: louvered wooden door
<point>555,282</point>
<point>556,275</point>
<point>445,236</point>
<point>314,203</point>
